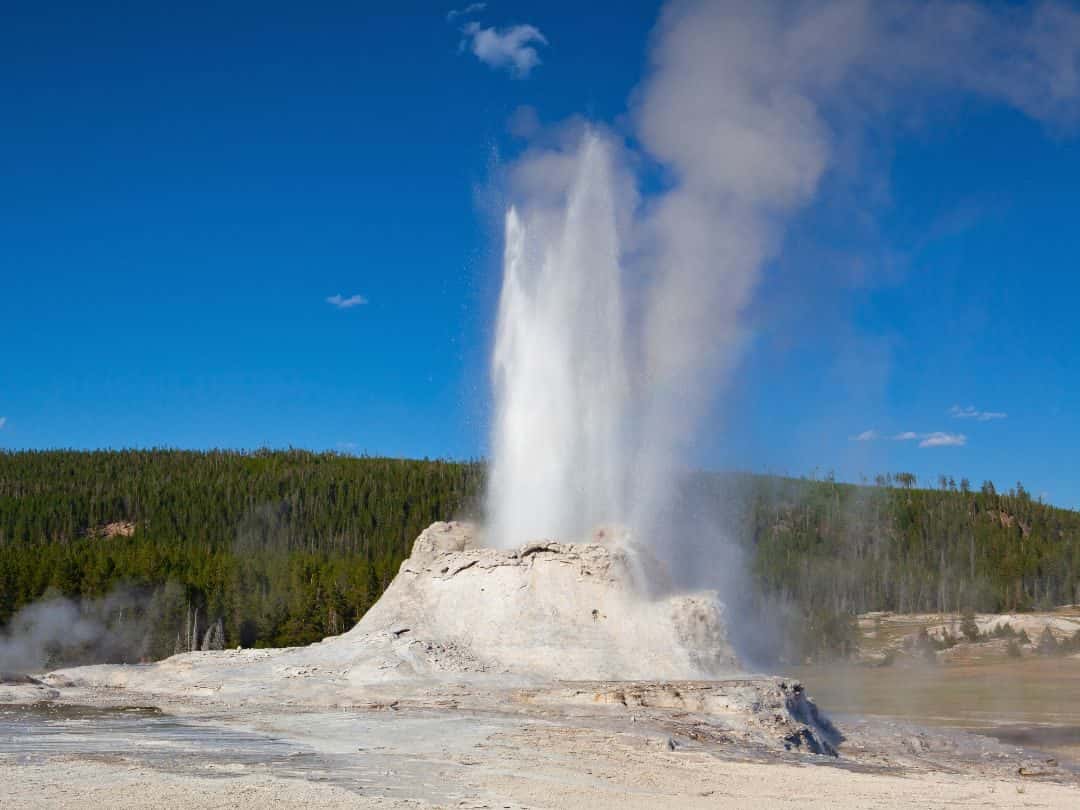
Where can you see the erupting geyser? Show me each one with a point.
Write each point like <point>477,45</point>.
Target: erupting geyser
<point>561,384</point>
<point>615,319</point>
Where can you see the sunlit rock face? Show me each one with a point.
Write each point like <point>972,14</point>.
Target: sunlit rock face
<point>548,609</point>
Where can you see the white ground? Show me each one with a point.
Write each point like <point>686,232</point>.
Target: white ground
<point>487,678</point>
<point>530,766</point>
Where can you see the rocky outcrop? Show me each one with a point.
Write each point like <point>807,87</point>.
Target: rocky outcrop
<point>770,712</point>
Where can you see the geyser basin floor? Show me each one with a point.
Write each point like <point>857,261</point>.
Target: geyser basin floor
<point>569,746</point>
<point>535,677</point>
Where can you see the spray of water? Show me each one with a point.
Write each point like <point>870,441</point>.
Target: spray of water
<point>559,366</point>
<point>616,329</point>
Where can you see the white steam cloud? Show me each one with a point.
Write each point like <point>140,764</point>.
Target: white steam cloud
<point>26,642</point>
<point>59,629</point>
<point>621,314</point>
<point>512,49</point>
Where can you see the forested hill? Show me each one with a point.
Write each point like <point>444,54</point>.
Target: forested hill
<point>288,500</point>
<point>827,550</point>
<point>267,548</point>
<point>284,547</point>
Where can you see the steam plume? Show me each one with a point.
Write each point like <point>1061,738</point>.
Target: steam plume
<point>620,318</point>
<point>36,631</point>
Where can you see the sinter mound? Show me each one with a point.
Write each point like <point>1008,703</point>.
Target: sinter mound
<point>547,609</point>
<point>544,626</point>
<point>458,612</point>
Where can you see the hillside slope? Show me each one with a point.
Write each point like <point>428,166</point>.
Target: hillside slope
<point>186,549</point>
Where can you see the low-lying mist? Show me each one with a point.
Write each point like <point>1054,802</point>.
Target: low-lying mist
<point>129,625</point>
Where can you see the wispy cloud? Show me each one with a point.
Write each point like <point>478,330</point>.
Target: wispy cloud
<point>3,421</point>
<point>472,8</point>
<point>935,439</point>
<point>342,302</point>
<point>956,412</point>
<point>510,48</point>
<point>940,439</point>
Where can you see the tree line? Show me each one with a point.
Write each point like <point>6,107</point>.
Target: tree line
<point>279,548</point>
<point>269,548</point>
<point>828,551</point>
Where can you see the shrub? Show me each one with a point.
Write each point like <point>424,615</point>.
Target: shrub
<point>1048,645</point>
<point>969,628</point>
<point>1070,645</point>
<point>926,646</point>
<point>947,641</point>
<point>1004,630</point>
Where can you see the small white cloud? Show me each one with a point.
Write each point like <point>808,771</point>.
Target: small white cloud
<point>940,439</point>
<point>956,412</point>
<point>341,302</point>
<point>3,421</point>
<point>472,8</point>
<point>510,48</point>
<point>936,439</point>
<point>865,436</point>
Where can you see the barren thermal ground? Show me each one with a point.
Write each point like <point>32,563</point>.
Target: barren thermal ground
<point>491,678</point>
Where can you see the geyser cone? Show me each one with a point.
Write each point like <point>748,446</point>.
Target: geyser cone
<point>544,610</point>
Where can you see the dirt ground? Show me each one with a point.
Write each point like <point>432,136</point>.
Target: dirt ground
<point>558,747</point>
<point>1027,698</point>
<point>535,767</point>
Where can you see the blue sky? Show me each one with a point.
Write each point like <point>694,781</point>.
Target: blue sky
<point>184,189</point>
